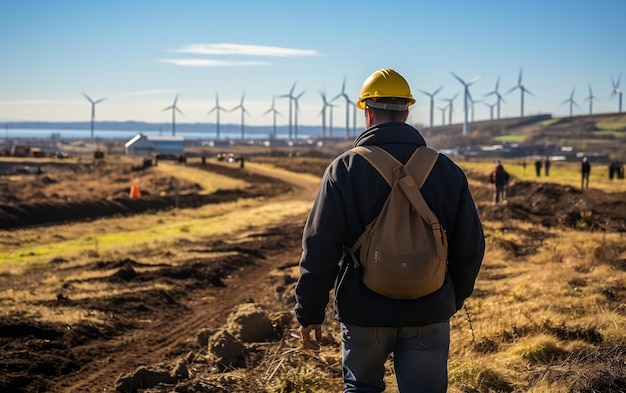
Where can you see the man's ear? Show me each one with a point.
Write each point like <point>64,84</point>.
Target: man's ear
<point>406,115</point>
<point>369,116</point>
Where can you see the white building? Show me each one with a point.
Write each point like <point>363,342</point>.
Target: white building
<point>146,146</point>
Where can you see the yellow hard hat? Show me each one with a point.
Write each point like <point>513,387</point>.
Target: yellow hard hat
<point>385,83</point>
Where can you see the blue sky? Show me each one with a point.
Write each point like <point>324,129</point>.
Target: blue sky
<point>140,54</point>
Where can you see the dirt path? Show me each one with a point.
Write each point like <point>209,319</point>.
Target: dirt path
<point>173,333</point>
<point>149,306</point>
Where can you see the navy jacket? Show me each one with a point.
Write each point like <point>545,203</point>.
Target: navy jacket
<point>351,194</point>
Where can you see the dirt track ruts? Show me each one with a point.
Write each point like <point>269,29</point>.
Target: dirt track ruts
<point>175,331</point>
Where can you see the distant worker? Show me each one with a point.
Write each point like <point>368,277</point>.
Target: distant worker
<point>546,166</point>
<point>538,167</point>
<point>585,169</point>
<point>500,179</point>
<point>613,169</point>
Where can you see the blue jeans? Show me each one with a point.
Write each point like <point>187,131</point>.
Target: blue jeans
<point>420,357</point>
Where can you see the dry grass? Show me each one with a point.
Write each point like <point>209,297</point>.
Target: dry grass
<point>547,315</point>
<point>564,173</point>
<point>547,311</point>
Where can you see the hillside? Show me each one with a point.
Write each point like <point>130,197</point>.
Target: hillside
<point>602,134</point>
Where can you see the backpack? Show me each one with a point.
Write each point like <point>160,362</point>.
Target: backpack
<point>404,249</point>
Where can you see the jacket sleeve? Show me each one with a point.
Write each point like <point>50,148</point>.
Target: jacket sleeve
<point>322,249</point>
<point>466,247</point>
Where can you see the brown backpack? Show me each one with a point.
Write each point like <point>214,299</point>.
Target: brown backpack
<point>404,249</point>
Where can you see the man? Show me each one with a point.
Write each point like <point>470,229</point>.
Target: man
<point>500,179</point>
<point>585,170</point>
<point>350,196</point>
<point>538,167</point>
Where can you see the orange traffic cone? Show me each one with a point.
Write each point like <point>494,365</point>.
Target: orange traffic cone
<point>135,192</point>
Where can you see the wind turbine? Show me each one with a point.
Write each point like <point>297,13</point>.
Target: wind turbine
<point>491,106</point>
<point>290,96</point>
<point>571,102</point>
<point>523,90</point>
<point>473,102</point>
<point>354,108</point>
<point>217,108</point>
<point>498,96</point>
<point>295,117</point>
<point>432,102</point>
<point>617,90</point>
<point>348,102</point>
<point>330,120</point>
<point>93,110</point>
<point>466,97</point>
<point>174,109</point>
<point>325,105</point>
<point>274,112</point>
<point>443,114</point>
<point>450,106</point>
<point>243,113</point>
<point>590,98</point>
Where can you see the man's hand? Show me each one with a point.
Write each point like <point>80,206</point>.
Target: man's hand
<point>305,334</point>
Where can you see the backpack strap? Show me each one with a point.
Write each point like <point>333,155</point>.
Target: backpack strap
<point>419,164</point>
<point>411,176</point>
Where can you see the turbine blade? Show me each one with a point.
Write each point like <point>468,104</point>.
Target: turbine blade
<point>474,80</point>
<point>458,78</point>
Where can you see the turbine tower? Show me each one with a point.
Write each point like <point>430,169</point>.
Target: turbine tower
<point>274,112</point>
<point>217,108</point>
<point>174,109</point>
<point>325,105</point>
<point>499,97</point>
<point>571,102</point>
<point>290,96</point>
<point>443,114</point>
<point>243,113</point>
<point>295,115</point>
<point>618,91</point>
<point>331,107</point>
<point>348,102</point>
<point>491,106</point>
<point>450,105</point>
<point>354,108</point>
<point>473,102</point>
<point>523,90</point>
<point>93,110</point>
<point>466,97</point>
<point>590,98</point>
<point>432,102</point>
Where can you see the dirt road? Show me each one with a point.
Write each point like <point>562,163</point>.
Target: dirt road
<point>156,315</point>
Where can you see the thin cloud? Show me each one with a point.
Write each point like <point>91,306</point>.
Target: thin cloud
<point>212,63</point>
<point>245,50</point>
<point>146,93</point>
<point>33,102</point>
